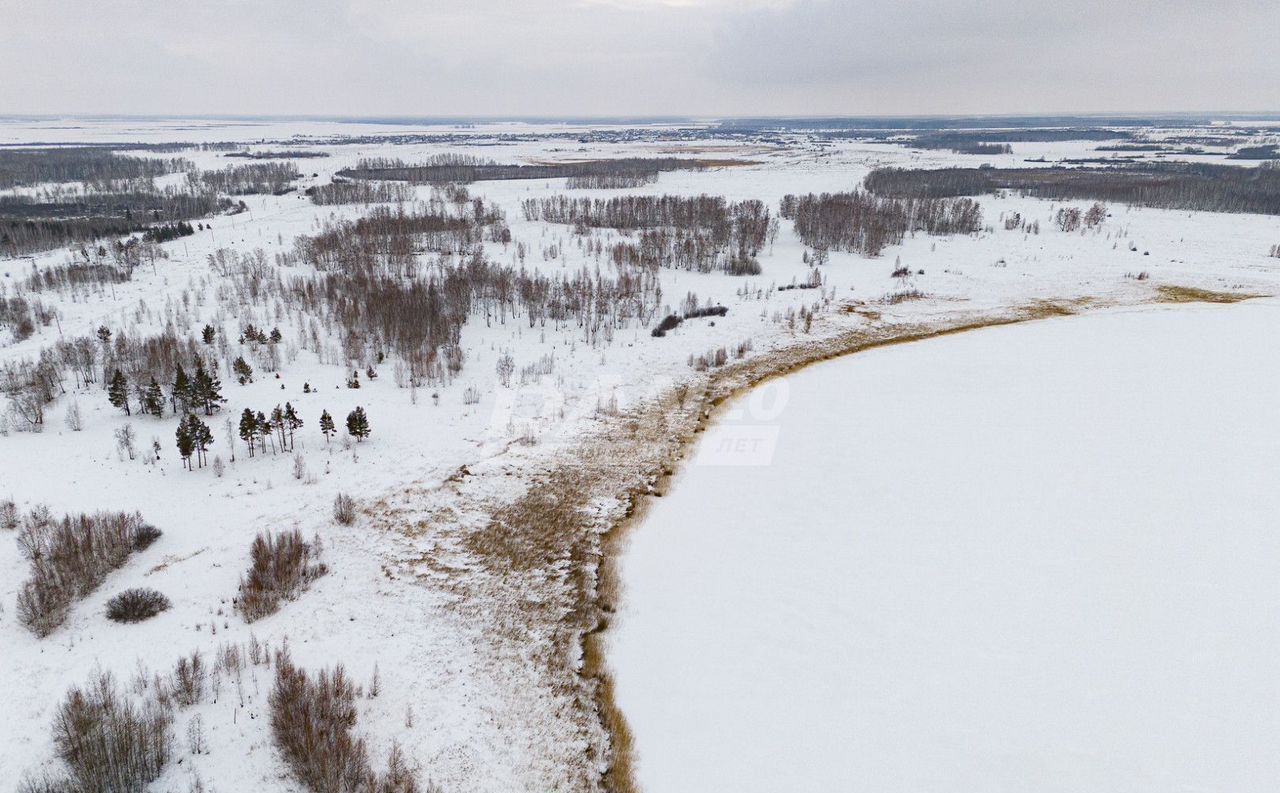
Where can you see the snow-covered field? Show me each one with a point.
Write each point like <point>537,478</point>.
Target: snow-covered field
<point>466,697</point>
<point>1038,557</point>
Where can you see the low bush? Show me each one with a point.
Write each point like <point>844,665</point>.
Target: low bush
<point>707,311</point>
<point>136,605</point>
<point>344,506</point>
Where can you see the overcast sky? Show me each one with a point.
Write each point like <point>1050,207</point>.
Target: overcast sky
<point>637,57</point>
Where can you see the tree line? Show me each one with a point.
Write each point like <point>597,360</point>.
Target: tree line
<point>463,169</point>
<point>94,166</point>
<point>29,226</point>
<point>1187,186</point>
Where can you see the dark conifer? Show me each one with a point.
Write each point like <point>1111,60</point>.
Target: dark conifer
<point>243,371</point>
<point>182,391</point>
<point>118,392</point>
<point>358,424</point>
<point>326,425</point>
<point>153,400</point>
<point>249,429</point>
<point>186,444</point>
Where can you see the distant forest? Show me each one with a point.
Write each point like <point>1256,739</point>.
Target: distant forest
<point>29,167</point>
<point>459,169</point>
<point>1209,188</point>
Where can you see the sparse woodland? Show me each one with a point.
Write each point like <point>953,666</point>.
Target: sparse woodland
<point>702,233</point>
<point>864,223</point>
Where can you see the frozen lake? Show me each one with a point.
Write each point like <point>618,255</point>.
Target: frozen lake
<point>1043,557</point>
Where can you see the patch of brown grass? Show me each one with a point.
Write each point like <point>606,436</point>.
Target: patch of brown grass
<point>1172,293</point>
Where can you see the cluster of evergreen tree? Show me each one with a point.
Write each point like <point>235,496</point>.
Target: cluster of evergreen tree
<point>255,335</point>
<point>193,438</point>
<point>258,430</point>
<point>281,154</point>
<point>168,232</point>
<point>202,391</point>
<point>863,223</point>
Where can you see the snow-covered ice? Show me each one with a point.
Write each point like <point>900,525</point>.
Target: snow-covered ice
<point>1039,557</point>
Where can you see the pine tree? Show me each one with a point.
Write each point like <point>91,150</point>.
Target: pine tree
<point>153,400</point>
<point>206,389</point>
<point>208,334</point>
<point>200,434</point>
<point>358,424</point>
<point>326,425</point>
<point>186,444</point>
<point>249,429</point>
<point>276,336</point>
<point>118,392</point>
<point>264,432</point>
<point>181,394</point>
<point>242,370</point>
<point>291,421</point>
<point>277,421</point>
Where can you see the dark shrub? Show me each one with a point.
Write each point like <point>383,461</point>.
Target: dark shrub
<point>136,605</point>
<point>669,322</point>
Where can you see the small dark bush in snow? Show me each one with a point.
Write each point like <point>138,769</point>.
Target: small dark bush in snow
<point>669,322</point>
<point>707,311</point>
<point>136,605</point>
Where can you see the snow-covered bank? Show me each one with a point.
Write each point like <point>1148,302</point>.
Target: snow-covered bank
<point>1034,557</point>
